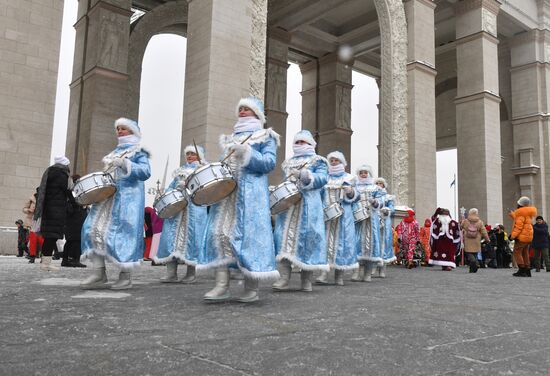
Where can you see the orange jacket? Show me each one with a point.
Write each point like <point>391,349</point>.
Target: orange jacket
<point>523,223</point>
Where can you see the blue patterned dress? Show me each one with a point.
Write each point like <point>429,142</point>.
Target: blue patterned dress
<point>114,227</point>
<point>300,231</point>
<point>182,235</point>
<point>382,251</point>
<point>239,227</point>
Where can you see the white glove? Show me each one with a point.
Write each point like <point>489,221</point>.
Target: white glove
<point>373,202</point>
<point>305,176</point>
<point>385,211</point>
<point>295,173</point>
<point>239,150</point>
<point>118,162</point>
<point>348,190</point>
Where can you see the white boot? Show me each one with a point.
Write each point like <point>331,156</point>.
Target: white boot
<point>124,281</point>
<point>189,275</point>
<point>171,272</point>
<point>46,265</point>
<point>382,271</point>
<point>339,277</point>
<point>285,269</point>
<point>250,291</point>
<point>368,272</point>
<point>97,280</point>
<point>359,273</point>
<point>220,292</point>
<point>323,278</point>
<point>305,276</point>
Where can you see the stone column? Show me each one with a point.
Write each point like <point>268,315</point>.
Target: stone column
<point>326,104</point>
<point>99,85</point>
<point>477,108</point>
<point>226,44</point>
<point>421,106</point>
<point>530,77</point>
<point>275,95</point>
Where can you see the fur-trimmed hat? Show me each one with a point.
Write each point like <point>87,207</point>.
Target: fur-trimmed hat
<point>338,155</point>
<point>364,167</point>
<point>473,211</point>
<point>129,124</point>
<point>255,105</point>
<point>191,148</point>
<point>62,160</point>
<point>524,201</point>
<point>304,135</point>
<point>381,180</point>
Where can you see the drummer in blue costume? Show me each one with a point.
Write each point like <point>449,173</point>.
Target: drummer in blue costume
<point>239,231</point>
<point>364,230</point>
<point>340,232</point>
<point>113,229</point>
<point>299,231</point>
<point>182,235</point>
<point>382,234</point>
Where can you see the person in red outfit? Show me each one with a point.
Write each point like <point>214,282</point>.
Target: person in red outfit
<point>425,240</point>
<point>408,235</point>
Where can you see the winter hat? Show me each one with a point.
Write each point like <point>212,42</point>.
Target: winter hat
<point>255,105</point>
<point>539,217</point>
<point>473,211</point>
<point>427,222</point>
<point>129,124</point>
<point>62,160</point>
<point>524,201</point>
<point>304,135</point>
<point>19,222</point>
<point>488,228</point>
<point>364,167</point>
<point>191,148</point>
<point>410,218</point>
<point>338,155</point>
<point>381,180</point>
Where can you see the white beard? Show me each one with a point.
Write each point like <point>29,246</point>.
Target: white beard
<point>445,220</point>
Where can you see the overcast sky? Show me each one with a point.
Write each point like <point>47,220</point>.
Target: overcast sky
<point>161,109</point>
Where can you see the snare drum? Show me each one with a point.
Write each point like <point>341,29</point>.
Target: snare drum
<point>170,203</point>
<point>283,196</point>
<point>361,213</point>
<point>333,211</point>
<point>94,188</point>
<point>210,184</point>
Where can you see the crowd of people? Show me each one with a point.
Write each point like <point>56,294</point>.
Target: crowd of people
<point>331,221</point>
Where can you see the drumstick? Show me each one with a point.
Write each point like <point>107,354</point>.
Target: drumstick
<point>243,141</point>
<point>197,151</point>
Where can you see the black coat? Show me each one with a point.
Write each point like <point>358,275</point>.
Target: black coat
<point>540,236</point>
<point>76,215</point>
<point>54,210</point>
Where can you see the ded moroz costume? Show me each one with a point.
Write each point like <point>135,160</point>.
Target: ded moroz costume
<point>299,231</point>
<point>182,235</point>
<point>239,228</point>
<point>113,229</point>
<point>445,237</point>
<point>340,232</point>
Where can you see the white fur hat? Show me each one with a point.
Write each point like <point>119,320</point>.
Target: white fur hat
<point>364,167</point>
<point>191,148</point>
<point>255,105</point>
<point>129,124</point>
<point>381,180</point>
<point>473,211</point>
<point>62,160</point>
<point>304,135</point>
<point>338,155</point>
<point>524,201</point>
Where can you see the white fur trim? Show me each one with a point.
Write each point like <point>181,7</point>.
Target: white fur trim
<point>129,124</point>
<point>311,180</point>
<point>364,167</point>
<point>124,266</point>
<point>345,267</point>
<point>249,102</point>
<point>390,260</point>
<point>218,263</point>
<point>382,180</point>
<point>300,264</point>
<point>304,135</point>
<point>338,155</point>
<point>191,148</point>
<point>260,276</point>
<point>442,263</point>
<point>374,259</point>
<point>353,198</point>
<point>245,158</point>
<point>126,171</point>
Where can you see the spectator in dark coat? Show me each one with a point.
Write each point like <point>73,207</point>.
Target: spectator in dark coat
<point>22,238</point>
<point>76,215</point>
<point>540,243</point>
<point>503,248</point>
<point>51,208</point>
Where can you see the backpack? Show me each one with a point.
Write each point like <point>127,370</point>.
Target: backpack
<point>471,230</point>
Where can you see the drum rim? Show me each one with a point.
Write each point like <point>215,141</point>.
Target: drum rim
<point>192,195</point>
<point>202,168</point>
<point>297,193</point>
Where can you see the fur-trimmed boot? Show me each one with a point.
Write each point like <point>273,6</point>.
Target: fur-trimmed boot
<point>339,277</point>
<point>305,277</point>
<point>282,284</point>
<point>382,271</point>
<point>97,280</point>
<point>171,273</point>
<point>368,272</point>
<point>190,276</point>
<point>220,292</point>
<point>250,291</point>
<point>359,273</point>
<point>124,281</point>
<point>47,266</point>
<point>322,279</point>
